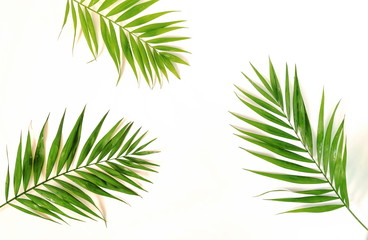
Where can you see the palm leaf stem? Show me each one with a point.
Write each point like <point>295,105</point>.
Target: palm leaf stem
<point>319,168</point>
<point>56,176</point>
<point>352,213</point>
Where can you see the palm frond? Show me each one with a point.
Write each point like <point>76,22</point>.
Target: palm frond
<point>129,35</point>
<point>62,184</point>
<point>317,165</point>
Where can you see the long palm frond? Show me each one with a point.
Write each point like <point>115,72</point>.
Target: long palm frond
<point>316,163</point>
<point>62,184</point>
<point>129,35</point>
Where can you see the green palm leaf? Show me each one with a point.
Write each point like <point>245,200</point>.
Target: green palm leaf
<point>128,33</point>
<point>72,180</point>
<point>318,164</point>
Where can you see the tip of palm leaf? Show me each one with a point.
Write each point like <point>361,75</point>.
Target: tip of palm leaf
<point>283,212</point>
<point>245,148</point>
<point>48,116</point>
<point>108,111</point>
<point>105,223</point>
<point>259,195</point>
<point>77,219</point>
<point>246,76</point>
<point>254,68</point>
<point>54,221</point>
<point>337,105</point>
<point>59,34</point>
<point>120,75</point>
<point>73,48</point>
<point>233,126</point>
<point>278,190</point>
<point>125,202</point>
<point>6,149</point>
<point>92,60</point>
<point>239,88</point>
<point>65,222</point>
<point>237,95</point>
<point>238,135</point>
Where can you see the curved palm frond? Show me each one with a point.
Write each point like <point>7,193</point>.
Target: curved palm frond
<point>316,163</point>
<point>63,183</point>
<point>128,35</point>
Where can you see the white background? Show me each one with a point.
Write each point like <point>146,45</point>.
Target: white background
<point>201,191</point>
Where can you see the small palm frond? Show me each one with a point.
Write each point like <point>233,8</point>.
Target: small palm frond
<point>316,163</point>
<point>63,183</point>
<point>128,35</point>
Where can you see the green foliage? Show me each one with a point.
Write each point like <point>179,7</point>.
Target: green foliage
<point>72,180</point>
<point>316,165</point>
<point>129,35</point>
